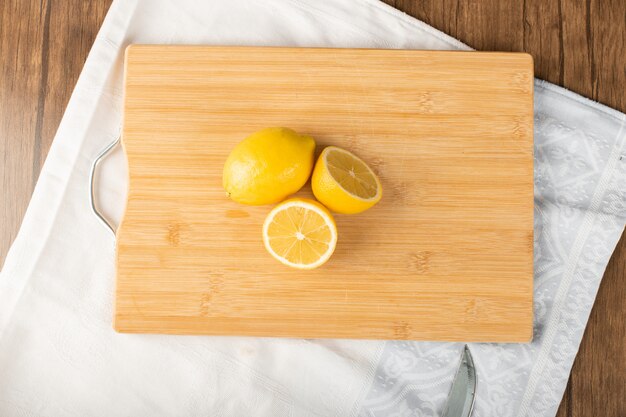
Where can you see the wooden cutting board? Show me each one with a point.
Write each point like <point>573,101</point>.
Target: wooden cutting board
<point>446,255</point>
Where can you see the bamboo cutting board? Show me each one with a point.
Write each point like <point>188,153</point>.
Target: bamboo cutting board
<point>446,255</point>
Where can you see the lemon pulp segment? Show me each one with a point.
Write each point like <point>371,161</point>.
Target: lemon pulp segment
<point>344,183</point>
<point>300,233</point>
<point>352,174</point>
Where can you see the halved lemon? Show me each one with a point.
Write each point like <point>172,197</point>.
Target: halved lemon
<point>300,233</point>
<point>344,183</point>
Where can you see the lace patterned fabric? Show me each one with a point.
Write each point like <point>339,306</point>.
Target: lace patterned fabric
<point>580,197</point>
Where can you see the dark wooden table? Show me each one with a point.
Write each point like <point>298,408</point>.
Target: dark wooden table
<point>576,44</point>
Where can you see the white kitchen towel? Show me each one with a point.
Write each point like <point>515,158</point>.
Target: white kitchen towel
<point>60,357</point>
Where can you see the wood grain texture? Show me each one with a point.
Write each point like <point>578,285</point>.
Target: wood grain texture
<point>43,45</point>
<point>593,41</point>
<point>445,255</point>
<point>578,45</point>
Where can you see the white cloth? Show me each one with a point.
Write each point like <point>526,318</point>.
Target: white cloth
<point>60,357</point>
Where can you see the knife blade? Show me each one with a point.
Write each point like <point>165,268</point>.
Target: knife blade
<point>461,398</point>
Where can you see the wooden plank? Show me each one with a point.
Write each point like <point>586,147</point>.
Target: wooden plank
<point>43,45</point>
<point>447,253</point>
<point>22,28</point>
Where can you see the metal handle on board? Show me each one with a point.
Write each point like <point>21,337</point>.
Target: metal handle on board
<point>92,179</point>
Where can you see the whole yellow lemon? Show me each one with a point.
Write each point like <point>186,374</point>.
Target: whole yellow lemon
<point>268,166</point>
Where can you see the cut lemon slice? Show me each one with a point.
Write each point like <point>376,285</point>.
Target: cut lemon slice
<point>344,183</point>
<point>300,233</point>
